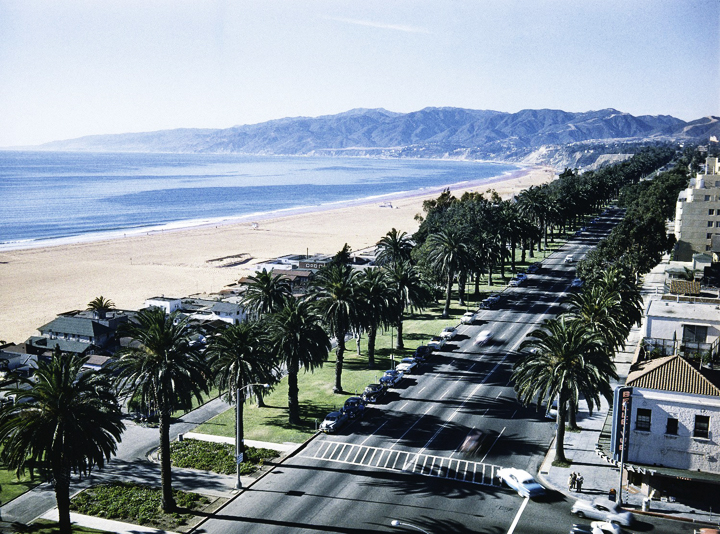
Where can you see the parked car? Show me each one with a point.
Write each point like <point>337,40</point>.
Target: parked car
<point>483,337</point>
<point>534,267</point>
<point>596,527</point>
<point>603,509</point>
<point>521,276</point>
<point>468,318</point>
<point>373,392</point>
<point>515,282</point>
<point>407,365</point>
<point>333,422</point>
<point>490,302</point>
<point>472,442</point>
<point>449,332</point>
<point>354,407</point>
<point>436,343</point>
<point>422,353</point>
<point>391,377</point>
<point>577,282</point>
<point>521,481</point>
<point>569,258</point>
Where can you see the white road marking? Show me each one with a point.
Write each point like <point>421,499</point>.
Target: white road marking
<point>493,444</point>
<point>517,516</point>
<point>371,435</point>
<point>411,427</point>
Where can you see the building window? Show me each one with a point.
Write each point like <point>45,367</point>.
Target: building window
<point>707,198</point>
<point>711,212</point>
<point>643,420</point>
<point>702,426</point>
<point>717,184</point>
<point>711,224</point>
<point>717,224</point>
<point>672,426</point>
<point>693,333</point>
<point>708,236</point>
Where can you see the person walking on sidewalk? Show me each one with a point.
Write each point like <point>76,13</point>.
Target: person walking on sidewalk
<point>572,480</point>
<point>579,482</point>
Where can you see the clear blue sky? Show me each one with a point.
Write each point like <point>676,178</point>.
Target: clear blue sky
<point>71,68</point>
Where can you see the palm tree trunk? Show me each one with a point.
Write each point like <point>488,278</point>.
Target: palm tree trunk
<point>448,293</point>
<point>560,432</point>
<point>372,334</point>
<point>513,248</point>
<point>462,281</point>
<point>400,345</point>
<point>62,497</point>
<point>340,354</point>
<point>240,430</point>
<point>168,501</point>
<point>258,392</point>
<point>572,416</point>
<point>293,404</point>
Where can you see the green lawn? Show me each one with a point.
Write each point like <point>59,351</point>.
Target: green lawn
<point>11,487</point>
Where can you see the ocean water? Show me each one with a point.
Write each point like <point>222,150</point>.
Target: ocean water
<point>48,197</point>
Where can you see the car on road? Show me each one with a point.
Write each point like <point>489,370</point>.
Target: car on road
<point>534,267</point>
<point>490,302</point>
<point>569,258</point>
<point>515,282</point>
<point>422,353</point>
<point>354,407</point>
<point>596,527</point>
<point>449,332</point>
<point>391,377</point>
<point>468,318</point>
<point>333,422</point>
<point>577,282</point>
<point>373,392</point>
<point>521,481</point>
<point>407,365</point>
<point>472,442</point>
<point>436,343</point>
<point>483,337</point>
<point>603,509</point>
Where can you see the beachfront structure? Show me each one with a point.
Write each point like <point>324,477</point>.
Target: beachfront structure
<point>169,304</point>
<point>16,358</point>
<point>199,309</point>
<point>673,425</point>
<point>688,328</point>
<point>359,259</point>
<point>697,213</point>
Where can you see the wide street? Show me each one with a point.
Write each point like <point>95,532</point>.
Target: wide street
<point>402,461</point>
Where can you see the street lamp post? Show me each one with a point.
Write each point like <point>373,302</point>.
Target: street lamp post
<point>397,523</point>
<point>238,440</point>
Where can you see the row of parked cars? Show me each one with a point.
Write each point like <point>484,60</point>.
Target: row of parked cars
<point>355,406</point>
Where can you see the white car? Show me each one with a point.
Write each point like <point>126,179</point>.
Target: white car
<point>483,337</point>
<point>569,258</point>
<point>407,366</point>
<point>603,509</point>
<point>521,481</point>
<point>436,343</point>
<point>448,332</point>
<point>468,318</point>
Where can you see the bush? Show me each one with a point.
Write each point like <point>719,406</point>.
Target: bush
<point>217,457</point>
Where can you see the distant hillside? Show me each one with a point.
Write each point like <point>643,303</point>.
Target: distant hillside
<point>430,132</point>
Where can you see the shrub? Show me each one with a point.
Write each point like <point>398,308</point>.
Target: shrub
<point>217,457</point>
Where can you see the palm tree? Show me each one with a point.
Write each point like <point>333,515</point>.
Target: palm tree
<point>335,295</point>
<point>447,254</point>
<point>618,280</point>
<point>379,307</point>
<point>393,247</point>
<point>164,371</point>
<point>64,420</point>
<point>410,292</point>
<point>599,310</point>
<point>239,359</point>
<point>297,339</point>
<point>266,293</point>
<point>568,362</point>
<point>100,304</point>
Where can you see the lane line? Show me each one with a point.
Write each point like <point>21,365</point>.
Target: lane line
<point>517,516</point>
<point>411,427</point>
<point>493,444</point>
<point>374,432</point>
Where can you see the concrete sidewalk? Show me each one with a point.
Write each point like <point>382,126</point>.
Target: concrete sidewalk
<point>600,476</point>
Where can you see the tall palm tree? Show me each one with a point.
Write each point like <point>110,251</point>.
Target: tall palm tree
<point>336,296</point>
<point>621,281</point>
<point>100,304</point>
<point>64,420</point>
<point>239,358</point>
<point>447,254</point>
<point>568,362</point>
<point>379,306</point>
<point>266,293</point>
<point>165,372</point>
<point>410,292</point>
<point>297,339</point>
<point>599,311</point>
<point>393,247</point>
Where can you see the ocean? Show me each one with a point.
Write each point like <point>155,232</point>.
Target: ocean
<point>55,197</point>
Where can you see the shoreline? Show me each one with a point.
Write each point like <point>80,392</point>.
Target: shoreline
<point>42,281</point>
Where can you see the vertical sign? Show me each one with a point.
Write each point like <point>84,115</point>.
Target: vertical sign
<point>622,410</point>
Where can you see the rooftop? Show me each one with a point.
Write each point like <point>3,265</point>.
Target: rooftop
<point>689,311</point>
<point>673,373</point>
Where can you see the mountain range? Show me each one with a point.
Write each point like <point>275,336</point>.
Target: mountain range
<point>430,132</point>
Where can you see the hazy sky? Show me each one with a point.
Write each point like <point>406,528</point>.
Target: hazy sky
<point>72,68</point>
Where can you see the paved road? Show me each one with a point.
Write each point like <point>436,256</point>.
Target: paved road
<point>402,462</point>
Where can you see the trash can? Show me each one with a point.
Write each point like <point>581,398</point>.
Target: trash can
<point>646,504</point>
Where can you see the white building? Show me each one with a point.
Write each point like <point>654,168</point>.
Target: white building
<point>697,213</point>
<point>169,304</point>
<point>683,322</point>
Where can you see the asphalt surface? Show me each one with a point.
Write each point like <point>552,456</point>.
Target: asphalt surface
<point>403,460</point>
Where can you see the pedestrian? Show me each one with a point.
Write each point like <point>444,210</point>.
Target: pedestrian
<point>572,481</point>
<point>612,494</point>
<point>579,482</point>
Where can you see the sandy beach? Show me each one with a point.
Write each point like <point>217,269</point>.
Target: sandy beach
<point>39,283</point>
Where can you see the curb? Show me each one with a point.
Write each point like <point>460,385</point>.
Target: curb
<point>301,447</point>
